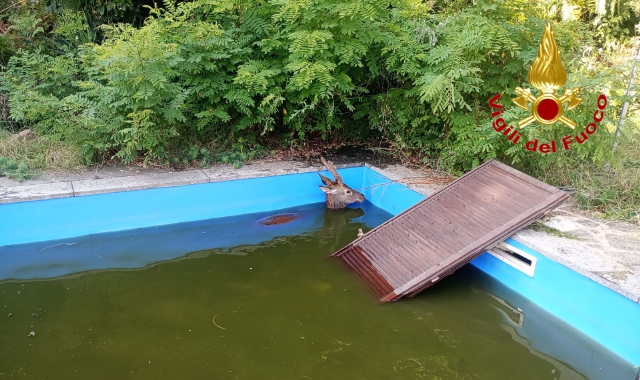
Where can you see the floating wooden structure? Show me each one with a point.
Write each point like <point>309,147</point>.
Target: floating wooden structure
<point>437,236</point>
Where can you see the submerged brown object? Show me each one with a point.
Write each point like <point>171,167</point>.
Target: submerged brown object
<point>337,193</point>
<point>278,219</point>
<point>417,248</point>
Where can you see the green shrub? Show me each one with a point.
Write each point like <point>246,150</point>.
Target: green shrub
<point>15,170</point>
<point>224,66</point>
<point>419,75</point>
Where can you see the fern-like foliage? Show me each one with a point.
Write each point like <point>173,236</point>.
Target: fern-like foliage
<point>417,73</point>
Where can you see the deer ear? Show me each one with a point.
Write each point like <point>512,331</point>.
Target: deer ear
<point>327,190</point>
<point>325,180</point>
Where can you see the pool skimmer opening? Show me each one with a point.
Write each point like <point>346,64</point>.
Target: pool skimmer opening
<point>515,257</point>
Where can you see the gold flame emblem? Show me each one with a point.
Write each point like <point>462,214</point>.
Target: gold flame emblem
<point>547,74</point>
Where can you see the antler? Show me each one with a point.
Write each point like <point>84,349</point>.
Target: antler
<point>332,169</point>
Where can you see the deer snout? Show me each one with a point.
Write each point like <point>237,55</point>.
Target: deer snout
<point>356,197</point>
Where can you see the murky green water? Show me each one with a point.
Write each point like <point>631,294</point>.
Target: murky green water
<point>276,310</point>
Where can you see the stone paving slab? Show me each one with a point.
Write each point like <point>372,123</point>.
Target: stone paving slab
<point>44,179</point>
<point>97,173</point>
<point>266,169</point>
<point>35,191</point>
<point>135,178</point>
<point>110,185</point>
<point>260,169</point>
<point>606,252</point>
<point>406,176</point>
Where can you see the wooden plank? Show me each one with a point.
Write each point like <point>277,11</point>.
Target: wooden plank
<point>469,252</point>
<point>417,248</point>
<point>419,204</point>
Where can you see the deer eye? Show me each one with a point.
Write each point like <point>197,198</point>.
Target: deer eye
<point>348,192</point>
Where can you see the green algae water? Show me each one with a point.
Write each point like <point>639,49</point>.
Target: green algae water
<point>274,309</point>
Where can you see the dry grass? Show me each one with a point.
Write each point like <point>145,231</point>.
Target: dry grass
<point>610,191</point>
<point>615,191</point>
<point>41,153</point>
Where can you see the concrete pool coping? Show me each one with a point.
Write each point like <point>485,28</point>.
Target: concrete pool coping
<point>605,252</point>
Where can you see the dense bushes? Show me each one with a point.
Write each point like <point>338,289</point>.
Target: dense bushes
<point>419,76</point>
<point>213,66</point>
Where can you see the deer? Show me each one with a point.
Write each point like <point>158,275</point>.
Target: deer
<point>337,193</point>
<point>337,196</point>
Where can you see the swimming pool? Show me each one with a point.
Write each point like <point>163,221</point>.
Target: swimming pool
<point>601,315</point>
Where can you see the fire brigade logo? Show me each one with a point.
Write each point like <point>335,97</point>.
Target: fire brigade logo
<point>547,75</point>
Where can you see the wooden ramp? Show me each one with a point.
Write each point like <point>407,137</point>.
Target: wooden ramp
<point>437,236</point>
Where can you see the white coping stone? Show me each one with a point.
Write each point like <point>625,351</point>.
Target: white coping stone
<point>405,176</point>
<point>606,254</point>
<point>35,192</point>
<point>258,169</point>
<point>95,173</point>
<point>138,182</point>
<point>266,169</point>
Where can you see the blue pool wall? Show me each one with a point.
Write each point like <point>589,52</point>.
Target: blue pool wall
<point>601,314</point>
<point>69,217</point>
<point>598,312</point>
<point>138,248</point>
<point>556,338</point>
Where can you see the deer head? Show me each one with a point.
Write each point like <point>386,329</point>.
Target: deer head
<point>337,194</point>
